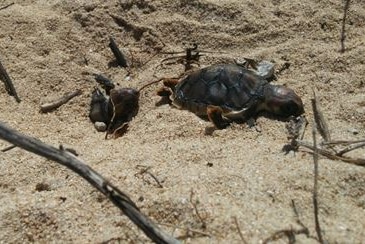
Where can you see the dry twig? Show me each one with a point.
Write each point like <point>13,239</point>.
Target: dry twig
<point>343,35</point>
<point>8,83</point>
<point>48,107</point>
<point>145,170</point>
<point>192,55</point>
<point>120,199</point>
<point>331,155</point>
<point>315,187</point>
<point>119,57</point>
<point>289,233</point>
<point>8,148</point>
<point>188,230</point>
<point>239,230</point>
<point>6,6</point>
<point>350,148</point>
<point>195,206</point>
<point>319,119</point>
<point>345,142</point>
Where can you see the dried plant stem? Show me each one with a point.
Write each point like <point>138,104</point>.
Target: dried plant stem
<point>350,148</point>
<point>195,206</point>
<point>188,230</point>
<point>343,35</point>
<point>8,83</point>
<point>330,155</point>
<point>320,122</point>
<point>120,199</point>
<point>315,185</point>
<point>8,148</point>
<point>342,142</point>
<point>48,107</point>
<point>146,170</point>
<point>239,230</point>
<point>6,6</point>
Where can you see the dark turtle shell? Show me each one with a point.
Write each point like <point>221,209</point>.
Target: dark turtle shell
<point>229,86</point>
<point>238,92</point>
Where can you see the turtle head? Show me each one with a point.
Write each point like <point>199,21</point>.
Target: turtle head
<point>282,101</point>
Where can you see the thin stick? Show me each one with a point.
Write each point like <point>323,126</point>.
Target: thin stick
<point>120,199</point>
<point>298,218</point>
<point>319,119</point>
<point>6,6</point>
<point>330,155</point>
<point>343,35</point>
<point>150,83</point>
<point>342,142</point>
<point>117,53</point>
<point>289,233</point>
<point>145,169</point>
<point>315,186</point>
<point>48,107</point>
<point>239,230</point>
<point>350,148</point>
<point>187,229</point>
<point>195,206</point>
<point>8,83</point>
<point>8,148</point>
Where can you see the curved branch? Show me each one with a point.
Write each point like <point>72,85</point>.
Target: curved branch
<point>61,156</point>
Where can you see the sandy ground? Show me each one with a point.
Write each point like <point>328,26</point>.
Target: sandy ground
<point>52,47</point>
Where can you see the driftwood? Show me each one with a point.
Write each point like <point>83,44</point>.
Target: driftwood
<point>120,199</point>
<point>48,107</point>
<point>121,61</point>
<point>8,83</point>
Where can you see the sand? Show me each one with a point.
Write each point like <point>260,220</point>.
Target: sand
<point>210,183</point>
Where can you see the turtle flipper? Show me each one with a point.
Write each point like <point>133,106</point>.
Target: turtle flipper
<point>167,90</point>
<point>215,116</point>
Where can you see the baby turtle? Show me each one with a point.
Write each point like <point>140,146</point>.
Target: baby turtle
<point>225,93</point>
<point>113,110</point>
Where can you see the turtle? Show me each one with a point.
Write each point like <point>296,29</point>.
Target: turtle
<point>116,108</point>
<point>226,93</point>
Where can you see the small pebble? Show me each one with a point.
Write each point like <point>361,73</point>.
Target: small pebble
<point>100,126</point>
<point>353,131</point>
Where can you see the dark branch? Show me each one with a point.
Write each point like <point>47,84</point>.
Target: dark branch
<point>122,62</point>
<point>343,35</point>
<point>120,199</point>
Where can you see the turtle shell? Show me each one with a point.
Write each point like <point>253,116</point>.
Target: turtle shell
<point>229,86</point>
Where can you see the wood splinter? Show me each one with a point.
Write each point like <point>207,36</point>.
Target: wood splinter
<point>48,107</point>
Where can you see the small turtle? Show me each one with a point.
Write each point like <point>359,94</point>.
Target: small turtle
<point>225,93</point>
<point>115,109</point>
